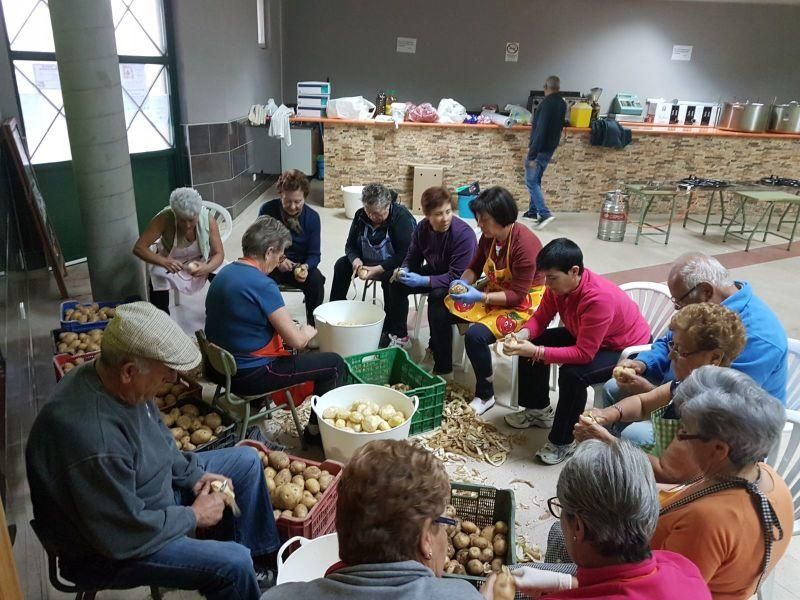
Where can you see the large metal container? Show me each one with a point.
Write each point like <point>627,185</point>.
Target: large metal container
<point>785,118</point>
<point>751,117</point>
<point>613,217</point>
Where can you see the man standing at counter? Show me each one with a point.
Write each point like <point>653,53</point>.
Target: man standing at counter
<point>548,120</point>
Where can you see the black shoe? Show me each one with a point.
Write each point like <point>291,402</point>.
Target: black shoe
<point>265,577</point>
<point>531,215</point>
<point>385,340</point>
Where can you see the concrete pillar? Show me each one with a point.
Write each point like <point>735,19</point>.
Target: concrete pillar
<point>83,32</point>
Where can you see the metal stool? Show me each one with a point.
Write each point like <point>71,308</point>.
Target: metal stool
<point>370,283</point>
<point>81,592</point>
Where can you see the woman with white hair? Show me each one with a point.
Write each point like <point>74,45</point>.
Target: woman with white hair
<point>607,506</point>
<point>735,519</point>
<point>188,247</point>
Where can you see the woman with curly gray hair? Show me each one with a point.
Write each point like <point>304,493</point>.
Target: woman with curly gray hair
<point>188,247</point>
<point>376,245</point>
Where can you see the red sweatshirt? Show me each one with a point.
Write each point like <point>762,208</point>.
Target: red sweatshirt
<point>598,314</point>
<point>525,247</point>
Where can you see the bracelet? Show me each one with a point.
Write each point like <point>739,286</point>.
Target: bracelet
<point>485,298</point>
<point>618,409</point>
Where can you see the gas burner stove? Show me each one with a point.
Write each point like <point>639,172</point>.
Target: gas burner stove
<point>701,182</point>
<point>780,181</point>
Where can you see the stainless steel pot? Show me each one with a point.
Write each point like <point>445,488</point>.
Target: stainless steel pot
<point>785,118</point>
<point>751,117</point>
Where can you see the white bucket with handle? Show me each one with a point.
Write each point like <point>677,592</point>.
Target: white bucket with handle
<point>349,326</point>
<point>310,561</point>
<point>339,444</point>
<point>352,199</point>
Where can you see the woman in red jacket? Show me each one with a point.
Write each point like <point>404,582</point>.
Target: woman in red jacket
<point>598,321</point>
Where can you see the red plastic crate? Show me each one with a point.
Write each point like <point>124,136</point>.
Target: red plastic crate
<point>59,360</point>
<point>321,519</point>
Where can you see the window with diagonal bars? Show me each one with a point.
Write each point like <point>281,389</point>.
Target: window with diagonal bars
<point>140,33</point>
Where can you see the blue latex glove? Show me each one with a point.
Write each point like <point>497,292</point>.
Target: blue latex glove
<point>413,279</point>
<point>471,296</point>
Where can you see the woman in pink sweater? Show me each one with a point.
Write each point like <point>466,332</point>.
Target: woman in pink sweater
<point>598,321</point>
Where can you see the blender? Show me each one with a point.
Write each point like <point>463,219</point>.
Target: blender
<point>592,97</point>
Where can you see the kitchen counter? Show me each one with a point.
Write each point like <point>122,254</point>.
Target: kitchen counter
<point>360,152</point>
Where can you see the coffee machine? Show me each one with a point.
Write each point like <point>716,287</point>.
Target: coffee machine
<point>592,98</point>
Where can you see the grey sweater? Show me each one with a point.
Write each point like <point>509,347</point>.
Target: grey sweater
<point>102,473</point>
<point>408,580</point>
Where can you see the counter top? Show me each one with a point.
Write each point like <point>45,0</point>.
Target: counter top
<point>636,128</point>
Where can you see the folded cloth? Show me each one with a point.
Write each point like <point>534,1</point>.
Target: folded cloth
<point>279,124</point>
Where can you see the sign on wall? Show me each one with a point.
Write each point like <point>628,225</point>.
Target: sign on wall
<point>407,45</point>
<point>682,52</point>
<point>512,51</point>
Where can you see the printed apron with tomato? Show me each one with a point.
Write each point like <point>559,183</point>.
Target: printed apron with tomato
<point>501,320</point>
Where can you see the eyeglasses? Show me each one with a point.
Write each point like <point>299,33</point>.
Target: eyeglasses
<point>445,521</point>
<point>673,350</point>
<point>682,436</point>
<point>677,302</point>
<point>554,506</point>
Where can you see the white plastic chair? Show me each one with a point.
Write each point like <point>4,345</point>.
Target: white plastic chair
<point>655,304</point>
<point>787,464</point>
<point>793,376</point>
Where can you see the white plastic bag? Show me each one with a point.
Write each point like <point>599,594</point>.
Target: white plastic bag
<point>350,107</point>
<point>519,114</point>
<point>451,111</point>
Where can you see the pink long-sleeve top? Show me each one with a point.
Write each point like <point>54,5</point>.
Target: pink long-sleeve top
<point>598,314</point>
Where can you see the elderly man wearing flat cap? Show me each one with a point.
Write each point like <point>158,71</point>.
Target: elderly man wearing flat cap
<point>117,498</point>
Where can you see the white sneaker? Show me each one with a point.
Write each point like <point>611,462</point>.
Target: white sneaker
<point>545,222</point>
<point>480,406</point>
<point>531,417</point>
<point>552,454</point>
<point>399,342</point>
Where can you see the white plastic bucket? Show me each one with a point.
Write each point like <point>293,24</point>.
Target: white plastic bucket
<point>310,561</point>
<point>339,444</point>
<point>352,199</point>
<point>362,332</point>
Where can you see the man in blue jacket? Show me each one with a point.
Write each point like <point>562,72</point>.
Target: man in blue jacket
<point>548,121</point>
<point>694,278</point>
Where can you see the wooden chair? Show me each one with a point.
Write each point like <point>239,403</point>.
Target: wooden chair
<point>81,592</point>
<point>224,366</point>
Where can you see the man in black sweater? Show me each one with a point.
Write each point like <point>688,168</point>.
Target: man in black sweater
<point>545,134</point>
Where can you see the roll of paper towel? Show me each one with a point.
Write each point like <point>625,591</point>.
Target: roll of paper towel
<point>497,119</point>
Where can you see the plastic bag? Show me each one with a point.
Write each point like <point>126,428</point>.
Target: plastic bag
<point>422,113</point>
<point>350,107</point>
<point>519,114</point>
<point>451,111</point>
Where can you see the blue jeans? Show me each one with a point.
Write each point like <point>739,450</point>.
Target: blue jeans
<point>217,569</point>
<point>639,433</point>
<point>534,169</point>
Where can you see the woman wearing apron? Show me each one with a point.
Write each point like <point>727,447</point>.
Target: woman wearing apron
<point>506,255</point>
<point>188,247</point>
<point>703,334</point>
<point>376,245</point>
<point>246,315</point>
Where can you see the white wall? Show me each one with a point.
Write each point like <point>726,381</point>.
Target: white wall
<point>221,69</point>
<point>740,50</point>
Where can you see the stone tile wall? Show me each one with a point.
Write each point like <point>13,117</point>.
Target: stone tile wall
<point>220,155</point>
<point>576,179</point>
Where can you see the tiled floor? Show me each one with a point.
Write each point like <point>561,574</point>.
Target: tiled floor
<point>775,281</point>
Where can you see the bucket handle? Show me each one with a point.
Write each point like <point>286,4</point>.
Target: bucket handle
<point>415,402</point>
<point>285,547</point>
<point>314,401</point>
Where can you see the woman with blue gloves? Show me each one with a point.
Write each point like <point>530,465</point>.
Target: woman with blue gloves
<point>504,300</point>
<point>441,247</point>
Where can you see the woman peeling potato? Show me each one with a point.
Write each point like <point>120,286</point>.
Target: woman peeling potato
<point>392,520</point>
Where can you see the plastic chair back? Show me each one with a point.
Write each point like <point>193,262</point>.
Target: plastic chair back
<point>223,218</point>
<point>786,462</point>
<point>793,376</point>
<point>654,302</point>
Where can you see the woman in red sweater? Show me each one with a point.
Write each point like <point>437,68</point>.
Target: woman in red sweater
<point>598,321</point>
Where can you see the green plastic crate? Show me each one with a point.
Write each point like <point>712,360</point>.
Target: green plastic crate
<point>485,505</point>
<point>392,365</point>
